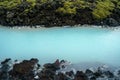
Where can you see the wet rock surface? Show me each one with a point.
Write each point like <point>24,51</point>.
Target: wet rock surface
<point>32,70</point>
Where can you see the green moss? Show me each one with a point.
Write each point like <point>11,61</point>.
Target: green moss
<point>103,9</point>
<point>26,10</point>
<point>44,1</point>
<point>118,3</point>
<point>80,4</point>
<point>32,2</point>
<point>68,8</point>
<point>9,3</point>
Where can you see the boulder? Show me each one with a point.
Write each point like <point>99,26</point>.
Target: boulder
<point>111,22</point>
<point>89,73</point>
<point>24,69</point>
<point>61,76</point>
<point>53,66</point>
<point>10,14</point>
<point>4,70</point>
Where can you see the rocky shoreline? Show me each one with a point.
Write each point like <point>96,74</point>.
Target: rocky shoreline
<point>51,13</point>
<point>32,70</point>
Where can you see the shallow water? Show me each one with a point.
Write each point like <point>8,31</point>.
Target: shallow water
<point>81,44</point>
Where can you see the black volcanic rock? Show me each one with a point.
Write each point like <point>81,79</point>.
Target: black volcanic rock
<point>110,22</point>
<point>24,70</point>
<point>5,61</point>
<point>55,13</point>
<point>89,72</point>
<point>61,76</point>
<point>108,74</point>
<point>4,70</point>
<point>31,70</point>
<point>53,66</point>
<point>80,76</point>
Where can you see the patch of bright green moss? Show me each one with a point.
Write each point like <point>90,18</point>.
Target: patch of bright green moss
<point>68,8</point>
<point>32,2</point>
<point>103,9</point>
<point>9,3</point>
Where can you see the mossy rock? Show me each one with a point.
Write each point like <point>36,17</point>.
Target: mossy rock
<point>103,9</point>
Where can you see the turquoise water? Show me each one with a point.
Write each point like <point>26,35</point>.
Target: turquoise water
<point>83,44</point>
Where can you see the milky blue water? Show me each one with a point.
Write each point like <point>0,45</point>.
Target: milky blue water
<point>83,44</point>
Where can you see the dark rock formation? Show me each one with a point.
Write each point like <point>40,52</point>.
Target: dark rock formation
<point>111,22</point>
<point>24,70</point>
<point>47,13</point>
<point>80,76</point>
<point>53,66</point>
<point>31,70</point>
<point>4,71</point>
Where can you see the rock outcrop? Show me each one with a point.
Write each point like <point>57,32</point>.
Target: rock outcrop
<point>59,13</point>
<point>31,70</point>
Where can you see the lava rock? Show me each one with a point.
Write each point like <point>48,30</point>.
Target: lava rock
<point>53,66</point>
<point>89,72</point>
<point>111,22</point>
<point>24,70</point>
<point>80,76</point>
<point>4,70</point>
